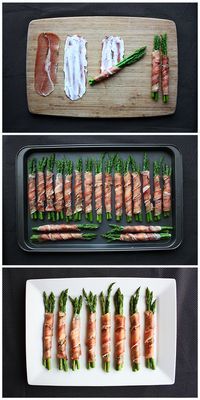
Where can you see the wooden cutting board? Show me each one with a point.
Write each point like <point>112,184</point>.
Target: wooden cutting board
<point>128,93</point>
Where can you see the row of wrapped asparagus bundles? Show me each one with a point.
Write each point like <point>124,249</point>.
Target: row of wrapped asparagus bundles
<point>70,191</point>
<point>106,322</point>
<point>129,233</point>
<point>160,67</point>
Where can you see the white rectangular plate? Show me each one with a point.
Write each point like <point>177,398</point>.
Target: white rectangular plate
<point>165,338</point>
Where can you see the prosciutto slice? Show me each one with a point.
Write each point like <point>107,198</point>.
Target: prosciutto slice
<point>47,335</point>
<point>147,191</point>
<point>149,334</point>
<point>137,195</point>
<point>98,193</point>
<point>139,237</point>
<point>58,228</point>
<point>78,192</point>
<point>105,337</point>
<point>68,195</point>
<point>75,67</point>
<point>165,75</point>
<point>46,63</point>
<point>91,337</point>
<point>59,236</point>
<point>128,193</point>
<point>118,193</point>
<point>75,338</point>
<point>157,196</point>
<point>167,193</point>
<point>40,192</point>
<point>135,338</point>
<point>49,192</point>
<point>108,192</point>
<point>112,52</point>
<point>119,339</point>
<point>59,200</point>
<point>61,335</point>
<point>141,228</point>
<point>88,191</point>
<point>155,71</point>
<point>32,193</point>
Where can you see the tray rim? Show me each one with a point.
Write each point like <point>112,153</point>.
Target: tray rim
<point>20,194</point>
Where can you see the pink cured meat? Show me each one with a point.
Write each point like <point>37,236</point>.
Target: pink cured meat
<point>141,229</point>
<point>155,71</point>
<point>91,337</point>
<point>32,193</point>
<point>119,338</point>
<point>165,75</point>
<point>47,335</point>
<point>105,337</point>
<point>75,338</point>
<point>88,191</point>
<point>46,63</point>
<point>157,196</point>
<point>98,193</point>
<point>40,191</point>
<point>68,195</point>
<point>61,336</point>
<point>147,191</point>
<point>167,193</point>
<point>139,237</point>
<point>49,192</point>
<point>59,236</point>
<point>108,192</point>
<point>59,192</point>
<point>118,193</point>
<point>128,193</point>
<point>58,228</point>
<point>78,192</point>
<point>137,195</point>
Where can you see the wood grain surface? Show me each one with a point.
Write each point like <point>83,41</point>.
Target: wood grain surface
<point>128,93</point>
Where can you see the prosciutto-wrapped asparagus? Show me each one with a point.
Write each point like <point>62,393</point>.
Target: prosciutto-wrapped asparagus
<point>59,198</point>
<point>149,330</point>
<point>134,57</point>
<point>88,189</point>
<point>63,228</point>
<point>165,69</point>
<point>75,67</point>
<point>128,190</point>
<point>32,189</point>
<point>118,179</point>
<point>61,332</point>
<point>41,188</point>
<point>157,191</point>
<point>68,169</point>
<point>119,330</point>
<point>112,52</point>
<point>50,209</point>
<point>167,201</point>
<point>105,328</point>
<point>46,63</point>
<point>49,305</point>
<point>137,194</point>
<point>91,301</point>
<point>136,237</point>
<point>78,193</point>
<point>108,189</point>
<point>140,228</point>
<point>135,331</point>
<point>75,342</point>
<point>98,192</point>
<point>55,237</point>
<point>155,68</point>
<point>147,189</point>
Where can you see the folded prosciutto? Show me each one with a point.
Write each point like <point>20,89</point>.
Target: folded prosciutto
<point>112,52</point>
<point>167,191</point>
<point>91,301</point>
<point>50,188</point>
<point>139,228</point>
<point>75,67</point>
<point>98,190</point>
<point>63,228</point>
<point>165,69</point>
<point>68,168</point>
<point>135,331</point>
<point>149,330</point>
<point>59,197</point>
<point>128,191</point>
<point>46,63</point>
<point>49,305</point>
<point>61,331</point>
<point>78,192</point>
<point>105,328</point>
<point>32,188</point>
<point>157,191</point>
<point>118,179</point>
<point>146,188</point>
<point>41,188</point>
<point>75,341</point>
<point>137,193</point>
<point>108,189</point>
<point>119,330</point>
<point>52,237</point>
<point>88,188</point>
<point>136,237</point>
<point>155,73</point>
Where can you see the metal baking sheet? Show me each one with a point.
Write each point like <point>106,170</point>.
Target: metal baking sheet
<point>171,156</point>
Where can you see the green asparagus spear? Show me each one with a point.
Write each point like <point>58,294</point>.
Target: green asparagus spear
<point>49,305</point>
<point>150,307</point>
<point>133,310</point>
<point>63,362</point>
<point>156,46</point>
<point>105,309</point>
<point>91,301</point>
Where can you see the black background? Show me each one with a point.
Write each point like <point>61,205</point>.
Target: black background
<point>185,254</point>
<point>16,117</point>
<point>14,369</point>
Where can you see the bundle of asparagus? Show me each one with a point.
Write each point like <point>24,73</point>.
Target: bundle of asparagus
<point>147,188</point>
<point>108,189</point>
<point>41,187</point>
<point>119,330</point>
<point>134,57</point>
<point>88,189</point>
<point>128,190</point>
<point>75,332</point>
<point>49,305</point>
<point>118,179</point>
<point>157,191</point>
<point>32,188</point>
<point>50,209</point>
<point>135,331</point>
<point>105,328</point>
<point>149,330</point>
<point>155,74</point>
<point>99,189</point>
<point>68,169</point>
<point>59,199</point>
<point>78,194</point>
<point>137,195</point>
<point>61,331</point>
<point>167,171</point>
<point>91,301</point>
<point>165,69</point>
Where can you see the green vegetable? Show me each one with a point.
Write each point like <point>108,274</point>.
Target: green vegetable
<point>91,301</point>
<point>49,305</point>
<point>63,362</point>
<point>150,306</point>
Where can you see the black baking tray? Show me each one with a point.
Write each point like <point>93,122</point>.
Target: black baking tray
<point>171,156</point>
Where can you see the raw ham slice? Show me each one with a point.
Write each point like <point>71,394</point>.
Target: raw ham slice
<point>135,338</point>
<point>128,193</point>
<point>98,193</point>
<point>49,192</point>
<point>112,52</point>
<point>105,337</point>
<point>68,195</point>
<point>137,195</point>
<point>139,237</point>
<point>165,75</point>
<point>47,335</point>
<point>40,191</point>
<point>59,192</point>
<point>58,228</point>
<point>59,236</point>
<point>155,70</point>
<point>119,339</point>
<point>61,335</point>
<point>75,67</point>
<point>149,334</point>
<point>75,338</point>
<point>91,336</point>
<point>32,193</point>
<point>141,228</point>
<point>88,191</point>
<point>167,193</point>
<point>78,192</point>
<point>46,63</point>
<point>108,192</point>
<point>118,193</point>
<point>157,196</point>
<point>147,191</point>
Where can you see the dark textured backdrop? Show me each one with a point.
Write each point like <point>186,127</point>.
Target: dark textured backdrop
<point>14,368</point>
<point>16,18</point>
<point>185,254</point>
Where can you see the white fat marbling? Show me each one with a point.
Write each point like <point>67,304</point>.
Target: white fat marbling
<point>110,47</point>
<point>75,67</point>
